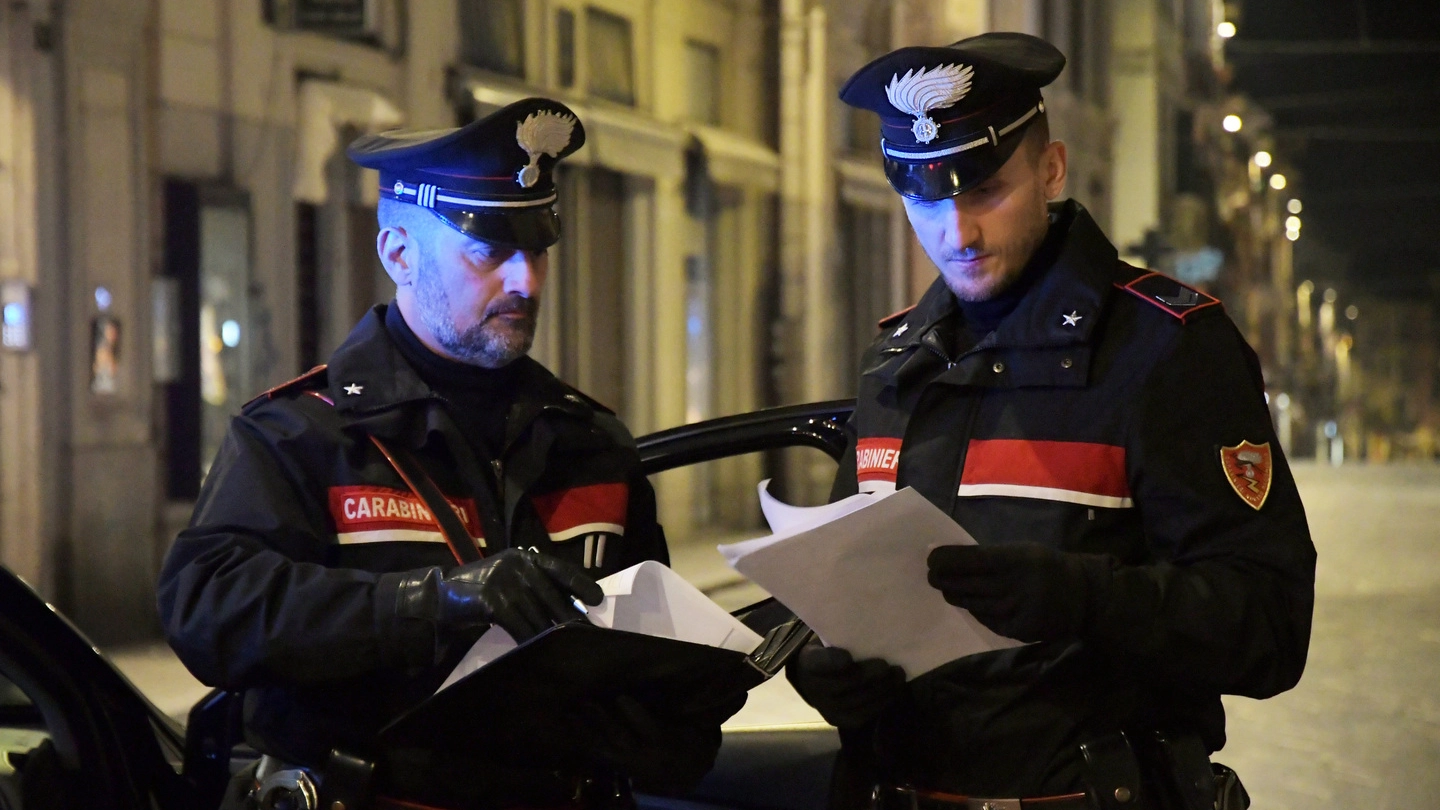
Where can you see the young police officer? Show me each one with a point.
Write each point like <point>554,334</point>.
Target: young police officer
<point>1102,432</point>
<point>315,577</point>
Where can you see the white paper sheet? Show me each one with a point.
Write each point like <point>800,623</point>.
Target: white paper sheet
<point>648,598</point>
<point>855,572</point>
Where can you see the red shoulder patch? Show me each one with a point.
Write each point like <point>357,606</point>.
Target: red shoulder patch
<point>1248,468</point>
<point>1165,293</point>
<point>893,318</point>
<point>287,385</point>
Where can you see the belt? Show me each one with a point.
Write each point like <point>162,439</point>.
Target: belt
<point>890,797</point>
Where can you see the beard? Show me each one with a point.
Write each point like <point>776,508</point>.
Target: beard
<point>1012,258</point>
<point>494,342</point>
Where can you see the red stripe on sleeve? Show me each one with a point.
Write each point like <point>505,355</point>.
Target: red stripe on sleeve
<point>596,503</point>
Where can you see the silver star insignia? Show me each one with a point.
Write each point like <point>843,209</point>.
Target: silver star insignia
<point>1073,319</point>
<point>354,390</point>
<point>901,330</point>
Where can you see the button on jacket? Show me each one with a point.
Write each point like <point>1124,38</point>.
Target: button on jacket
<point>1095,418</point>
<point>284,585</point>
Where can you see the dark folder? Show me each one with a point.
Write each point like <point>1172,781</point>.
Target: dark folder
<point>524,698</point>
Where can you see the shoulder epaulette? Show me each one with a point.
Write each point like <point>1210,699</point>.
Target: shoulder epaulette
<point>893,318</point>
<point>1168,295</point>
<point>286,387</point>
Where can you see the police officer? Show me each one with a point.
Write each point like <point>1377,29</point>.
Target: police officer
<point>1102,432</point>
<point>318,579</point>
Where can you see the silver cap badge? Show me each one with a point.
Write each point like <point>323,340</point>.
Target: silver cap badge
<point>919,91</point>
<point>543,133</point>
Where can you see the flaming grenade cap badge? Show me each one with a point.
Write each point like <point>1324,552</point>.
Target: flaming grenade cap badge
<point>920,91</point>
<point>543,133</point>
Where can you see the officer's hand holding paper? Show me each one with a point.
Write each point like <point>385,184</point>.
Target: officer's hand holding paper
<point>855,571</point>
<point>654,640</point>
<point>649,599</point>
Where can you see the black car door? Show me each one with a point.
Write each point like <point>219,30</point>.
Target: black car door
<point>780,763</point>
<point>73,731</point>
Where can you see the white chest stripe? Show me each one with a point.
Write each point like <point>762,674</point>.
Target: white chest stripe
<point>390,536</point>
<point>1044,494</point>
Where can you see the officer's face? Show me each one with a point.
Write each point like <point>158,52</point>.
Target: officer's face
<point>981,240</point>
<point>478,301</point>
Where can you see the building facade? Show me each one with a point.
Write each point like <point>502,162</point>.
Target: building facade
<point>182,229</point>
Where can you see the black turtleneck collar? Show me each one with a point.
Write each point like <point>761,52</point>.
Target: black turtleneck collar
<point>441,373</point>
<point>982,317</point>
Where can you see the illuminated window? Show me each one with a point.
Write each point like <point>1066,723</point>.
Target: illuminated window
<point>608,56</point>
<point>492,35</point>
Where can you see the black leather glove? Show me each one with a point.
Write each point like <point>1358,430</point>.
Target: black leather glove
<point>846,692</point>
<point>662,754</point>
<point>1025,591</point>
<point>521,591</point>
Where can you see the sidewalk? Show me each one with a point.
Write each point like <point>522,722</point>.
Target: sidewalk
<point>160,676</point>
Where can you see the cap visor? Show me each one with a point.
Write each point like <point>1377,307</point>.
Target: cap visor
<point>951,175</point>
<point>524,229</point>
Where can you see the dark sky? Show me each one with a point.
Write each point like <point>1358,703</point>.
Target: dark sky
<point>1354,87</point>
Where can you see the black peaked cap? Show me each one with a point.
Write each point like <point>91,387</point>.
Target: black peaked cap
<point>951,116</point>
<point>493,179</point>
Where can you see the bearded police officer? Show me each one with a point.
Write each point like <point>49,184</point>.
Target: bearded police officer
<point>1102,432</point>
<point>320,579</point>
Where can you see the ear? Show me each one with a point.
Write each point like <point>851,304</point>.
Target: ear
<point>1053,168</point>
<point>397,250</point>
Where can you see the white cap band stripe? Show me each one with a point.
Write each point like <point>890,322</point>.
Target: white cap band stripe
<point>428,195</point>
<point>964,147</point>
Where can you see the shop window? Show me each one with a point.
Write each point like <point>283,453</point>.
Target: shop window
<point>702,70</point>
<point>492,35</point>
<point>207,254</point>
<point>609,56</point>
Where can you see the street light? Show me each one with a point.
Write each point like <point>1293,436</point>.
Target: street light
<point>1225,29</point>
<point>1262,159</point>
<point>1352,312</point>
<point>1231,123</point>
<point>1277,181</point>
<point>1294,206</point>
<point>1293,236</point>
<point>1292,223</point>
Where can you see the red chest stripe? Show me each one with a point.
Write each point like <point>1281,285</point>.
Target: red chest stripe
<point>593,509</point>
<point>1077,472</point>
<point>379,514</point>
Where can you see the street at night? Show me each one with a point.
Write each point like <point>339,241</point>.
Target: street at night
<point>1363,727</point>
<point>379,377</point>
<point>1361,730</point>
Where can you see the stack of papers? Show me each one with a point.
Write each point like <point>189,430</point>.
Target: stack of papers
<point>649,599</point>
<point>855,572</point>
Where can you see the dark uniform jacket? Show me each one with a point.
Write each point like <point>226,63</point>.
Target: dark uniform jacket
<point>1091,420</point>
<point>284,586</point>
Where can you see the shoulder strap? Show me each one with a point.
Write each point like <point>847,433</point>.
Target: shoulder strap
<point>286,386</point>
<point>1168,295</point>
<point>462,545</point>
